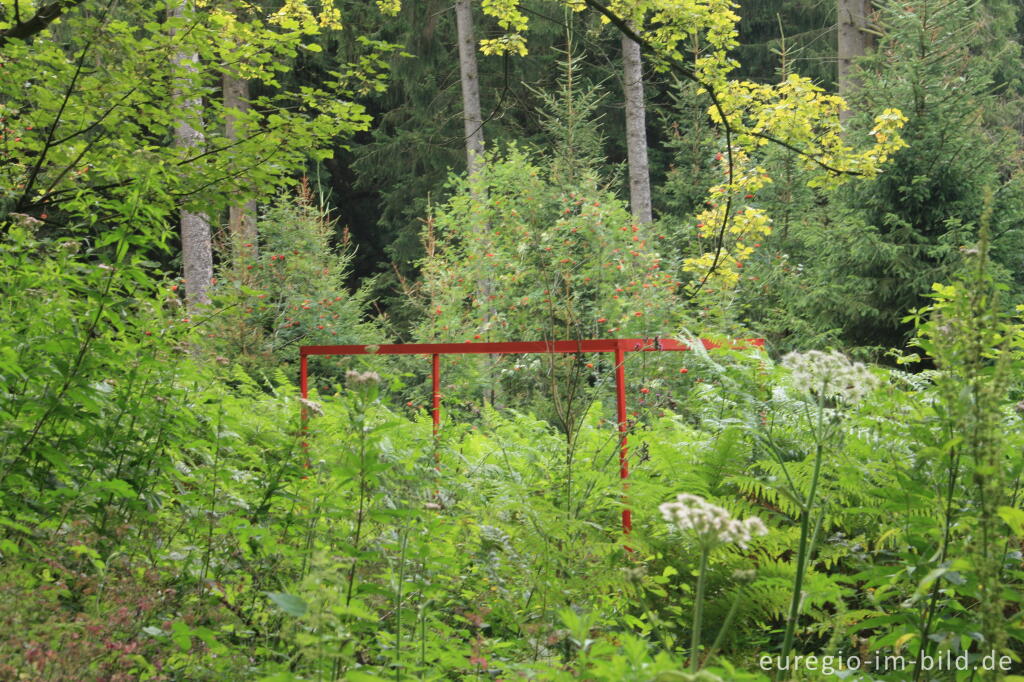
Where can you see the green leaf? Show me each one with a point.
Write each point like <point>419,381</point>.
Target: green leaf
<point>356,608</point>
<point>181,635</point>
<point>117,487</point>
<point>1014,519</point>
<point>289,603</point>
<point>358,676</point>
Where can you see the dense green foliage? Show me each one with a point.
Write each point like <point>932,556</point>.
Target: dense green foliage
<point>941,69</point>
<point>172,509</point>
<point>173,520</point>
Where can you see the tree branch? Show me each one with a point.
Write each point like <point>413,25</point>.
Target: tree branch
<point>689,75</point>
<point>797,150</point>
<point>50,135</point>
<point>627,30</point>
<point>623,26</point>
<point>46,15</point>
<point>230,176</point>
<point>92,126</point>
<point>645,45</point>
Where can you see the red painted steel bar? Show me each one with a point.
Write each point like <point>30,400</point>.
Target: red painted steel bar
<point>304,392</point>
<point>303,375</point>
<point>435,379</point>
<point>499,347</point>
<point>617,346</point>
<point>620,410</point>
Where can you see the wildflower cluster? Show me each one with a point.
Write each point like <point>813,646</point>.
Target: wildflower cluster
<point>830,375</point>
<point>312,407</point>
<point>713,525</point>
<point>355,379</point>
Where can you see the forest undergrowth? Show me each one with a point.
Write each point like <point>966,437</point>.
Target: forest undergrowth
<point>843,501</point>
<point>168,516</point>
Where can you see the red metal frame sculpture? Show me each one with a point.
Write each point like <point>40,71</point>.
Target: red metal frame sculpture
<point>617,346</point>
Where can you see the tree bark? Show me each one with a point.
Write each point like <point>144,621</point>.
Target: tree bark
<point>853,41</point>
<point>472,120</point>
<point>196,247</point>
<point>636,132</point>
<point>241,217</point>
<point>473,125</point>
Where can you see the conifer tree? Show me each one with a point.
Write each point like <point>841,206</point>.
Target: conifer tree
<point>847,269</point>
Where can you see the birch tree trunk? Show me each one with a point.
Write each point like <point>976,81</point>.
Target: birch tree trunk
<point>853,41</point>
<point>196,249</point>
<point>241,218</point>
<point>636,132</point>
<point>472,120</point>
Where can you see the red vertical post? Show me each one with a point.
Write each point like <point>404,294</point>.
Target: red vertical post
<point>435,413</point>
<point>620,404</point>
<point>436,381</point>
<point>304,376</point>
<point>304,392</point>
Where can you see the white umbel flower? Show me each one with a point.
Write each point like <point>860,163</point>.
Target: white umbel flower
<point>314,407</point>
<point>355,379</point>
<point>713,525</point>
<point>831,375</point>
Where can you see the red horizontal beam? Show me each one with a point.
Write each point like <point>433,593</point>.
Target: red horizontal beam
<point>495,348</point>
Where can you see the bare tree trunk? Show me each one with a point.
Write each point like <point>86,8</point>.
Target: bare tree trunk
<point>636,132</point>
<point>196,247</point>
<point>472,120</point>
<point>854,40</point>
<point>473,125</point>
<point>241,218</point>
